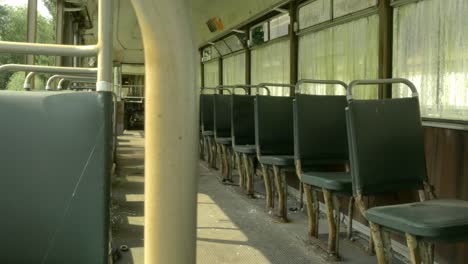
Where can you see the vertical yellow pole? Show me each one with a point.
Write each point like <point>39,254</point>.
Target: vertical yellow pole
<point>171,134</point>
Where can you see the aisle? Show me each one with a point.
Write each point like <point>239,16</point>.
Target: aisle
<point>232,228</point>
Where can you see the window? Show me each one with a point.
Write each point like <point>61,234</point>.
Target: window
<point>345,52</point>
<point>234,42</point>
<point>431,50</point>
<point>210,53</point>
<point>222,48</point>
<point>259,34</point>
<point>314,13</point>
<point>211,70</point>
<point>279,26</point>
<point>234,69</point>
<point>272,29</point>
<point>270,63</point>
<point>344,7</point>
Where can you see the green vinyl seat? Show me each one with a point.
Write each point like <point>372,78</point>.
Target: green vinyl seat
<point>222,133</point>
<point>243,139</point>
<point>247,149</point>
<point>445,220</point>
<point>274,139</point>
<point>387,157</point>
<point>56,165</point>
<point>320,130</point>
<point>223,140</point>
<point>277,160</point>
<point>243,123</point>
<point>222,117</point>
<point>208,133</point>
<point>207,127</point>
<point>319,141</point>
<point>274,130</point>
<point>334,181</point>
<point>206,114</point>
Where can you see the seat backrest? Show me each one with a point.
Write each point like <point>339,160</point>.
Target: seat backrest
<point>320,128</point>
<point>222,115</point>
<point>274,125</point>
<point>55,172</point>
<point>206,112</point>
<point>386,145</point>
<point>243,122</point>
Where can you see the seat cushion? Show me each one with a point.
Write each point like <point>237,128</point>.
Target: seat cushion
<point>436,220</point>
<point>278,160</point>
<point>246,149</point>
<point>208,133</point>
<point>223,140</point>
<point>55,165</point>
<point>334,181</point>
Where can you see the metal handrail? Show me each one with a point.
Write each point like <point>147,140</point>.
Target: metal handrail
<point>103,49</point>
<point>246,86</point>
<point>217,88</point>
<point>44,69</point>
<point>73,81</point>
<point>58,70</point>
<point>408,83</point>
<point>68,77</point>
<point>304,81</point>
<point>234,87</point>
<point>48,49</point>
<point>266,85</point>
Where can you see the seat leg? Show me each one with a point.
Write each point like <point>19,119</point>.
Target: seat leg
<point>202,148</point>
<point>332,223</point>
<point>282,213</point>
<point>249,173</point>
<point>285,188</point>
<point>240,169</point>
<point>336,205</point>
<point>350,218</point>
<point>383,247</point>
<point>209,151</point>
<point>427,252</point>
<point>229,163</point>
<point>222,160</point>
<point>310,210</point>
<point>214,153</point>
<point>301,192</point>
<point>414,249</point>
<point>387,243</point>
<point>316,212</point>
<point>219,158</point>
<point>268,189</point>
<point>226,161</point>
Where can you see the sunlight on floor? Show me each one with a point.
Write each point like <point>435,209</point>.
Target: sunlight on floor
<point>135,197</point>
<point>136,220</point>
<point>138,179</point>
<point>219,239</point>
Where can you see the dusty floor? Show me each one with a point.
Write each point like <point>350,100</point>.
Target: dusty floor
<point>231,227</point>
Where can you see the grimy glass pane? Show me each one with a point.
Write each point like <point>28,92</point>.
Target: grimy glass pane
<point>234,43</point>
<point>222,48</point>
<point>314,13</point>
<point>431,50</point>
<point>344,7</point>
<point>234,69</point>
<point>270,63</point>
<point>211,70</point>
<point>209,53</point>
<point>345,52</point>
<point>279,26</point>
